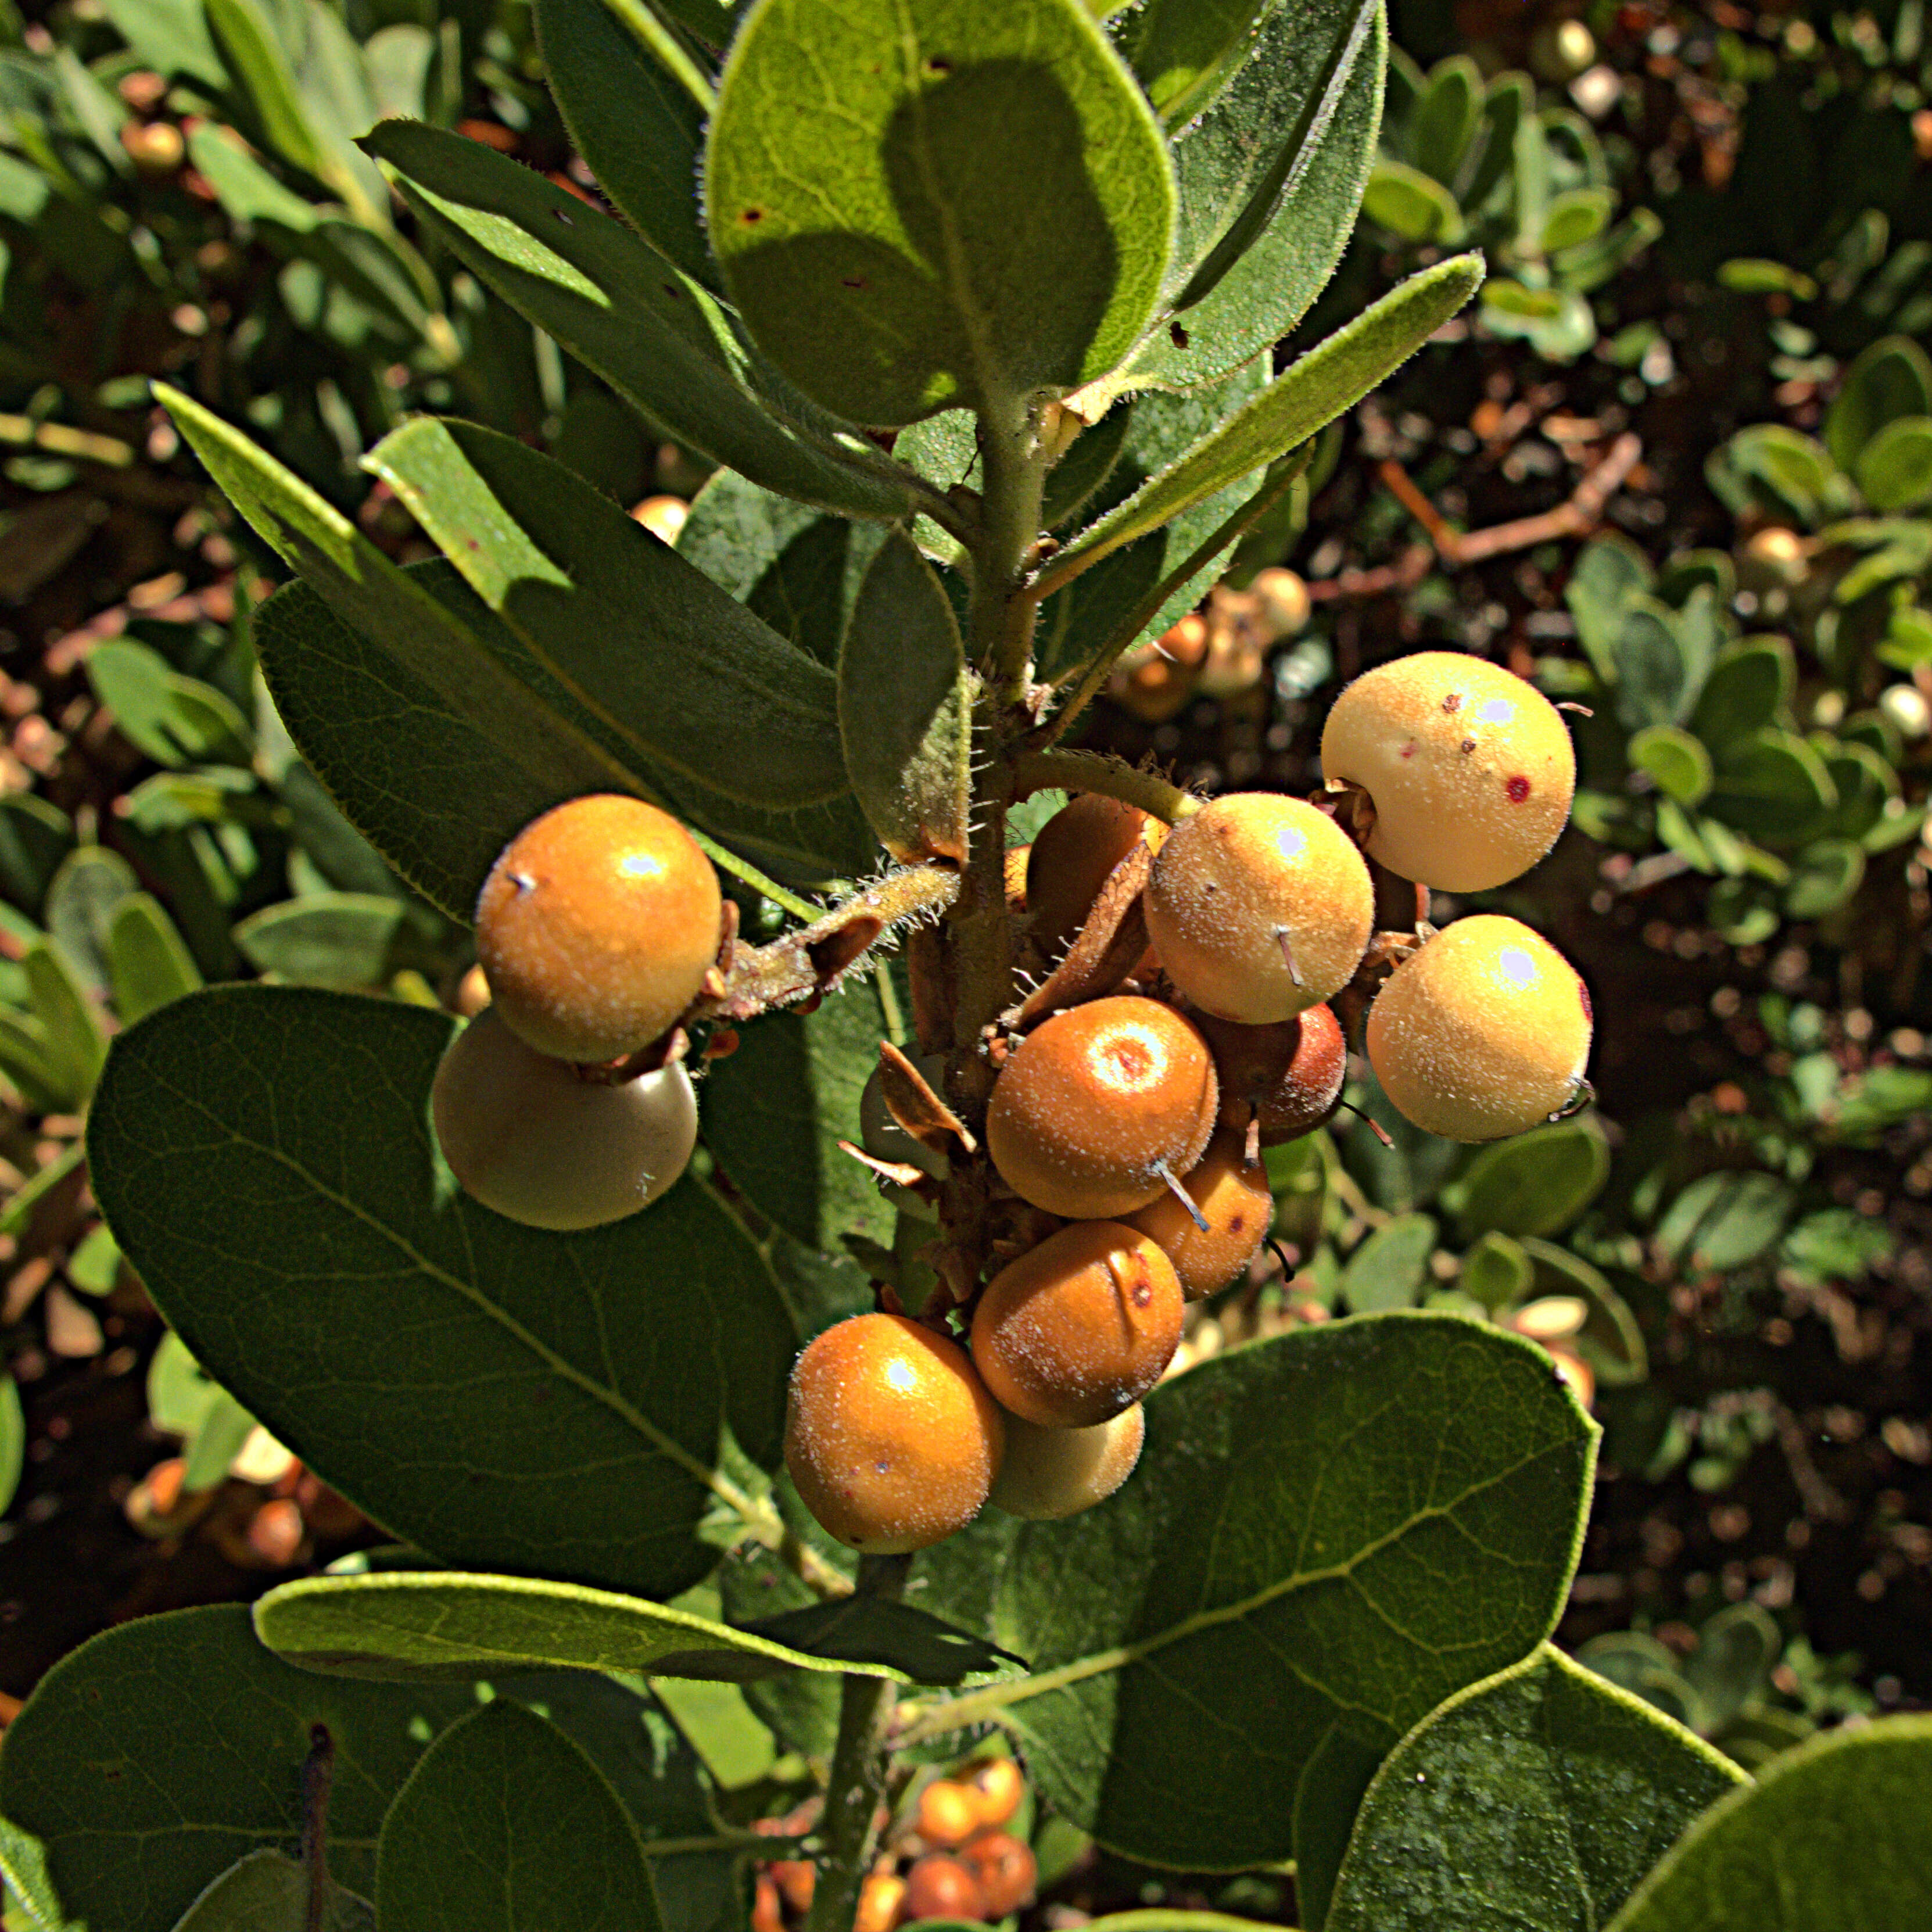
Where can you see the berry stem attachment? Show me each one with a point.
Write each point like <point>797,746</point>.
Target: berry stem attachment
<point>1181,1195</point>
<point>860,1765</point>
<point>1093,771</point>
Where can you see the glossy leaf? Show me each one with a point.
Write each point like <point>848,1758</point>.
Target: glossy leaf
<point>1539,1797</point>
<point>1536,1183</point>
<point>573,1859</point>
<point>640,131</point>
<point>263,1156</point>
<point>620,619</point>
<point>982,215</point>
<point>267,1891</point>
<point>1310,393</point>
<point>1270,178</point>
<point>658,338</point>
<point>149,1760</point>
<point>1350,1522</point>
<point>1830,1839</point>
<point>905,709</point>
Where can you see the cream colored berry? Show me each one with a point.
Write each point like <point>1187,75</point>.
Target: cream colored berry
<point>1484,1032</point>
<point>1470,769</point>
<point>1260,907</point>
<point>1052,1473</point>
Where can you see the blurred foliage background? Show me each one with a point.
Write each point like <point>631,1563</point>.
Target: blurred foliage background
<point>1677,468</point>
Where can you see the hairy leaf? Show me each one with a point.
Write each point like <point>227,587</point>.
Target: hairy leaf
<point>936,202</point>
<point>503,1398</point>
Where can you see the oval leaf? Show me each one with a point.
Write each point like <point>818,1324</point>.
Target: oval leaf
<point>1536,1183</point>
<point>905,709</point>
<point>263,1155</point>
<point>1539,1797</point>
<point>268,1892</point>
<point>936,202</point>
<point>1894,468</point>
<point>573,1859</point>
<point>1830,1839</point>
<point>1677,762</point>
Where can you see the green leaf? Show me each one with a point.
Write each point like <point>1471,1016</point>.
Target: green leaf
<point>180,1391</point>
<point>1540,1797</point>
<point>1770,467</point>
<point>175,720</point>
<point>1323,1519</point>
<point>331,939</point>
<point>1389,1269</point>
<point>1825,875</point>
<point>261,67</point>
<point>1609,1340</point>
<point>1749,690</point>
<point>13,1440</point>
<point>1891,379</point>
<point>659,339</point>
<point>1414,205</point>
<point>1830,1839</point>
<point>1312,390</point>
<point>268,1892</point>
<point>936,203</point>
<point>1183,51</point>
<point>1443,121</point>
<point>573,1859</point>
<point>1677,762</point>
<point>894,1638</point>
<point>776,1111</point>
<point>147,1762</point>
<point>1772,787</point>
<point>424,1356</point>
<point>76,1042</point>
<point>1894,468</point>
<point>1663,657</point>
<point>1270,179</point>
<point>148,960</point>
<point>92,884</point>
<point>619,618</point>
<point>217,1439</point>
<point>640,131</point>
<point>34,838</point>
<point>1732,1665</point>
<point>1609,576</point>
<point>905,709</point>
<point>1724,1219</point>
<point>445,1624</point>
<point>1536,1183</point>
<point>1497,1272</point>
<point>170,36</point>
<point>1576,216</point>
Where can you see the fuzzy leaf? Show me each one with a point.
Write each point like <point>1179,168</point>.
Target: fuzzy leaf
<point>936,202</point>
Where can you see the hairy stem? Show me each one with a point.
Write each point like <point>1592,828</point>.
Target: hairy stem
<point>859,1767</point>
<point>1014,469</point>
<point>1091,771</point>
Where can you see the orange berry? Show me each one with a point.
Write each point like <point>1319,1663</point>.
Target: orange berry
<point>1091,1104</point>
<point>796,1879</point>
<point>523,1135</point>
<point>880,1898</point>
<point>1005,1868</point>
<point>1077,847</point>
<point>1075,1331</point>
<point>1471,770</point>
<point>948,1813</point>
<point>996,1783</point>
<point>767,1915</point>
<point>1483,1032</point>
<point>1234,1199</point>
<point>596,927</point>
<point>890,1437</point>
<point>939,1887</point>
<point>1260,907</point>
<point>1052,1473</point>
<point>1577,1373</point>
<point>1290,1074</point>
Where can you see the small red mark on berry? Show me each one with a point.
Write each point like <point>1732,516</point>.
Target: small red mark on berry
<point>1517,788</point>
<point>1408,750</point>
<point>1583,994</point>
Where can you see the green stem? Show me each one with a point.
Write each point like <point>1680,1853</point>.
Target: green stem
<point>1093,771</point>
<point>1279,479</point>
<point>859,1767</point>
<point>728,861</point>
<point>1013,467</point>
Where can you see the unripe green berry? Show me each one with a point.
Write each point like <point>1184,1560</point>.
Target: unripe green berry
<point>1092,1103</point>
<point>1484,1032</point>
<point>1052,1473</point>
<point>1471,770</point>
<point>596,927</point>
<point>1259,907</point>
<point>525,1135</point>
<point>890,1437</point>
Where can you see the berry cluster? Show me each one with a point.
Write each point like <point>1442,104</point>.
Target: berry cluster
<point>949,1855</point>
<point>1121,1165</point>
<point>1107,1168</point>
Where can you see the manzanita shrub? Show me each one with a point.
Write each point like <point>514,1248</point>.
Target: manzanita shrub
<point>977,323</point>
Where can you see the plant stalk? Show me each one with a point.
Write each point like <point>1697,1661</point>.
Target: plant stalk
<point>1013,468</point>
<point>858,1766</point>
<point>1093,771</point>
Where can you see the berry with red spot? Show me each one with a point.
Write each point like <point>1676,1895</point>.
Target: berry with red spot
<point>1232,1197</point>
<point>526,1135</point>
<point>1470,770</point>
<point>1290,1076</point>
<point>1259,906</point>
<point>1484,1032</point>
<point>1052,1473</point>
<point>890,1437</point>
<point>1094,1102</point>
<point>1079,1327</point>
<point>596,927</point>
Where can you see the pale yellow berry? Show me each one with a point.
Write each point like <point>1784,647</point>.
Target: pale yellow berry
<point>1051,1473</point>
